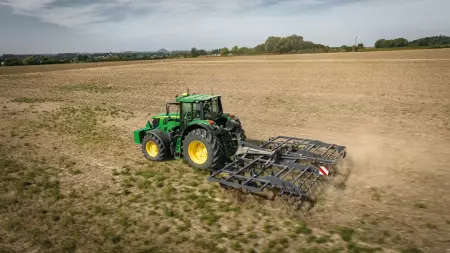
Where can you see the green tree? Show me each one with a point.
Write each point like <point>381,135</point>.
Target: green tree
<point>423,42</point>
<point>49,60</point>
<point>273,44</point>
<point>379,43</point>
<point>400,42</point>
<point>82,57</point>
<point>306,45</point>
<point>13,62</point>
<point>259,49</point>
<point>224,51</point>
<point>292,44</point>
<point>31,60</point>
<point>383,43</point>
<point>244,51</point>
<point>347,48</point>
<point>194,52</point>
<point>235,50</point>
<point>431,41</point>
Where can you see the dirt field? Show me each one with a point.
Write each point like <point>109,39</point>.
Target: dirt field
<point>46,68</point>
<point>72,179</point>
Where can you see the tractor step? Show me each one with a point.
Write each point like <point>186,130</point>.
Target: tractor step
<point>291,166</point>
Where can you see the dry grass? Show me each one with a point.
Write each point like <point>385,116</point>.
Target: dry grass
<point>73,181</point>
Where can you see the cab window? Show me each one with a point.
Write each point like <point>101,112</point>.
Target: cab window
<point>186,111</point>
<point>197,110</point>
<point>212,109</point>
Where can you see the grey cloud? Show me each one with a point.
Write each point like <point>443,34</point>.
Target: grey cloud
<point>181,24</point>
<point>81,12</point>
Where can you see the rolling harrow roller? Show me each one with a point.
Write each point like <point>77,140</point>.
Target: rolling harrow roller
<point>293,167</point>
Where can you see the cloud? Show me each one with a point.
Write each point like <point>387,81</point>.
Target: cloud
<point>181,24</point>
<point>134,18</point>
<point>79,13</point>
<point>26,5</point>
<point>69,16</point>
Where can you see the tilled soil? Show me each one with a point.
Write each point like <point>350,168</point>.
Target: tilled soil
<point>391,110</point>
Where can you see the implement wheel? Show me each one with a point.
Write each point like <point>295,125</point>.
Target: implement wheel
<point>153,148</point>
<point>202,150</point>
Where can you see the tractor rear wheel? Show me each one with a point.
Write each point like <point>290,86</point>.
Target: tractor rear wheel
<point>153,148</point>
<point>202,150</point>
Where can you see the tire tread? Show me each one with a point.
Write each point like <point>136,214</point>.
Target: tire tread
<point>161,148</point>
<point>213,142</point>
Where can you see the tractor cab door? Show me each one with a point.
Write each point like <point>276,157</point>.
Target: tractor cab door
<point>185,115</point>
<point>190,112</point>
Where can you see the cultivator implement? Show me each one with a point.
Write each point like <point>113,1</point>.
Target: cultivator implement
<point>292,167</point>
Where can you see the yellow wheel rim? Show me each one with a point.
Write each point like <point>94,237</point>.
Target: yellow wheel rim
<point>197,152</point>
<point>151,148</point>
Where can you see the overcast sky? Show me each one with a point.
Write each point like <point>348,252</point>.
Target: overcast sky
<point>53,26</point>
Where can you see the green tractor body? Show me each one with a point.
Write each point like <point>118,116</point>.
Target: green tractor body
<point>199,131</point>
<point>207,138</point>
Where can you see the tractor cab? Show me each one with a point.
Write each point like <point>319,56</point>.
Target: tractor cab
<point>194,108</point>
<point>199,107</point>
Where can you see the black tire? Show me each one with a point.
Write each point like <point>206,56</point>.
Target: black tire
<point>241,130</point>
<point>215,155</point>
<point>239,135</point>
<point>150,153</point>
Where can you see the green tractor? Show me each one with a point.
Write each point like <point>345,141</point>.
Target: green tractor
<point>198,130</point>
<point>207,138</point>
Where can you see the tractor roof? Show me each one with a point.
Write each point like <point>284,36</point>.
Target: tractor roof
<point>190,98</point>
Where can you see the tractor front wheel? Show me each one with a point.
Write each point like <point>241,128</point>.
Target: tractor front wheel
<point>153,148</point>
<point>202,150</point>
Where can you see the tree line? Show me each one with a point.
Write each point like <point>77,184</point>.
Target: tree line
<point>293,44</point>
<point>11,60</point>
<point>435,41</point>
<point>273,45</point>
